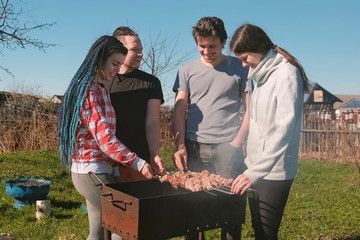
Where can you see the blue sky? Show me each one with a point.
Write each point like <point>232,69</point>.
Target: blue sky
<point>323,34</point>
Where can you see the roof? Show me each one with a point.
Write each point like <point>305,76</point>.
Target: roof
<point>345,99</point>
<point>60,97</point>
<point>353,103</point>
<point>327,97</point>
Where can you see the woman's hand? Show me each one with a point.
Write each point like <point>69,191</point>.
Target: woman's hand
<point>241,184</point>
<point>147,171</point>
<point>157,164</point>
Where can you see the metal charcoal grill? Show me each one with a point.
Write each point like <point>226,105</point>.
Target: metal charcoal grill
<point>149,209</point>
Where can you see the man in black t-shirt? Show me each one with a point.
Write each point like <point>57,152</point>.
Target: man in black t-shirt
<point>136,97</point>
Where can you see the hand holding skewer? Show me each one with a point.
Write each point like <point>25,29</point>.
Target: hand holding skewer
<point>241,184</point>
<point>147,171</point>
<point>157,165</point>
<point>180,159</point>
<point>180,156</point>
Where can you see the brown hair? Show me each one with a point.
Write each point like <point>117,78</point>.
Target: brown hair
<point>124,31</point>
<point>250,38</point>
<point>210,27</point>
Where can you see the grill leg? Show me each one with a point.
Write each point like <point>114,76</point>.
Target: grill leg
<point>107,234</point>
<point>231,233</point>
<point>195,236</point>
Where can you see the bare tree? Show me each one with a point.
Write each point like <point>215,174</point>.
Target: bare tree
<point>163,55</point>
<point>16,33</point>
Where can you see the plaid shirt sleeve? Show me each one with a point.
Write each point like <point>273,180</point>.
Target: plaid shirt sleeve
<point>99,117</point>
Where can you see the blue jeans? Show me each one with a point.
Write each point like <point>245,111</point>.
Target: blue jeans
<point>222,158</point>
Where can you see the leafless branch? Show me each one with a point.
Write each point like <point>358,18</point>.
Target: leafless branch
<point>16,33</point>
<point>7,71</point>
<point>164,56</point>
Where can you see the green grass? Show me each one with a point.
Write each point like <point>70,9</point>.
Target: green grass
<point>66,222</point>
<point>324,202</point>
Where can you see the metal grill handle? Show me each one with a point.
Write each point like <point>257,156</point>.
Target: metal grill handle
<point>116,202</point>
<point>96,184</point>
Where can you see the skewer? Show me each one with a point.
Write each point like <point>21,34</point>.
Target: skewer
<point>223,191</point>
<point>248,190</point>
<point>228,188</point>
<point>211,193</point>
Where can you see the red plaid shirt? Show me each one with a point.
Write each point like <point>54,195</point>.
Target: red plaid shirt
<point>96,140</point>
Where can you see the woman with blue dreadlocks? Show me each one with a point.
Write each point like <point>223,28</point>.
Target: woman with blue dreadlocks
<point>86,126</point>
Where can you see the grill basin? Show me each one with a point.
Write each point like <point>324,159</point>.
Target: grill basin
<point>149,209</point>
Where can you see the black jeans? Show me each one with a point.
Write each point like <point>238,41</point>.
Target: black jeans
<point>267,207</point>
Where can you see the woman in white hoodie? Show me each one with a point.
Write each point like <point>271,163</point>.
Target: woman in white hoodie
<point>275,125</point>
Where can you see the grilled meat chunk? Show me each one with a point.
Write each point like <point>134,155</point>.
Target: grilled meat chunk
<point>196,181</point>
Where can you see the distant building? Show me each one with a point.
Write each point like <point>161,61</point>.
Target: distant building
<point>323,110</point>
<point>320,98</point>
<point>56,98</point>
<point>319,109</point>
<point>352,104</point>
<point>345,99</point>
<point>349,115</point>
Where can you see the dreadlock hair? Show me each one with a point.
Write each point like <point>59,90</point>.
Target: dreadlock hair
<point>71,106</point>
<point>250,38</point>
